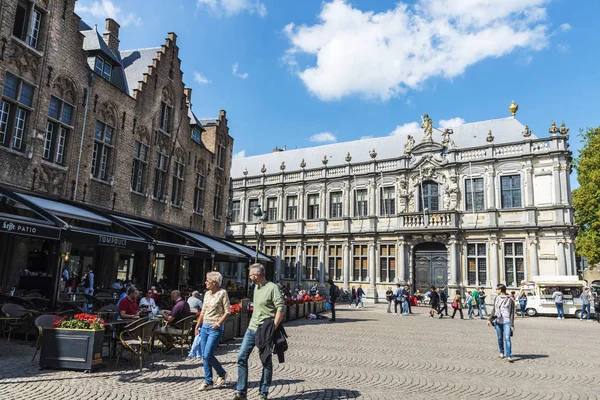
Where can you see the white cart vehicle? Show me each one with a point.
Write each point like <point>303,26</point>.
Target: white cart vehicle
<point>539,295</point>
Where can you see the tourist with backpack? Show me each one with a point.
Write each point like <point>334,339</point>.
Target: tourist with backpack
<point>334,293</point>
<point>359,297</point>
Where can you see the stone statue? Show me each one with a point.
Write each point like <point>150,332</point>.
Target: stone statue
<point>403,195</point>
<point>408,147</point>
<point>427,126</point>
<point>446,141</point>
<point>451,193</point>
<point>411,202</point>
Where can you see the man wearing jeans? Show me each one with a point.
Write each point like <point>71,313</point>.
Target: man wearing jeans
<point>268,303</point>
<point>585,299</point>
<point>557,296</point>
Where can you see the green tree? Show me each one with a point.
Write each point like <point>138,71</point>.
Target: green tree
<point>586,198</point>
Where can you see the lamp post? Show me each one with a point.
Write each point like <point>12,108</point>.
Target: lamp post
<point>260,237</point>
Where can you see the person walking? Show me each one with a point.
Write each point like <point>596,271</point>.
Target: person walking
<point>352,297</point>
<point>443,302</point>
<point>398,299</point>
<point>503,319</point>
<point>557,296</point>
<point>482,305</point>
<point>523,303</point>
<point>268,304</point>
<point>405,300</point>
<point>435,302</point>
<point>476,302</point>
<point>210,327</point>
<point>586,298</point>
<point>389,295</point>
<point>457,305</point>
<point>469,302</point>
<point>333,293</point>
<point>359,297</point>
<point>407,290</point>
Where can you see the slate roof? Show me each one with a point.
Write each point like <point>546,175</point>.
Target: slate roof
<point>135,64</point>
<point>474,134</point>
<point>208,121</point>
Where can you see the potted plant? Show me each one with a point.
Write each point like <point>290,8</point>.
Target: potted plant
<point>301,308</point>
<point>292,309</point>
<point>319,304</point>
<point>73,343</point>
<point>236,312</point>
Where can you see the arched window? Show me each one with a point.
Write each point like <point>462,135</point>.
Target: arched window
<point>430,197</point>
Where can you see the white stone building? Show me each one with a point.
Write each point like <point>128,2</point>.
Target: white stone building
<point>394,209</point>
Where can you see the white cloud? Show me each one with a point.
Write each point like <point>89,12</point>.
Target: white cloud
<point>451,123</point>
<point>406,129</point>
<point>234,69</point>
<point>239,154</point>
<point>366,137</point>
<point>200,79</point>
<point>107,9</point>
<point>233,7</point>
<point>382,55</point>
<point>323,137</point>
<point>565,27</point>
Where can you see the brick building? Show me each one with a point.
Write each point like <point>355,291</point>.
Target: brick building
<point>86,124</point>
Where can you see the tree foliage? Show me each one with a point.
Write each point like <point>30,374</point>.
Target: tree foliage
<point>586,198</point>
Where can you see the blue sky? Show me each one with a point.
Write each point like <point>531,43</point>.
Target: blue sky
<point>303,73</point>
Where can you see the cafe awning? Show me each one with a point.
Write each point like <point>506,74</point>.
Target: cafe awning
<point>179,243</point>
<point>19,216</point>
<point>262,257</point>
<point>89,226</point>
<point>222,249</point>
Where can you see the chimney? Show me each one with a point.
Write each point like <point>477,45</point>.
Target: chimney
<point>111,35</point>
<point>187,92</point>
<point>222,113</point>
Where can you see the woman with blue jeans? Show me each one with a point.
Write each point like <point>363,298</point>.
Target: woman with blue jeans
<point>558,302</point>
<point>503,319</point>
<point>215,310</point>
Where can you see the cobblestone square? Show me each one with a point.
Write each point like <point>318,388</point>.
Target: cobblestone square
<point>367,354</point>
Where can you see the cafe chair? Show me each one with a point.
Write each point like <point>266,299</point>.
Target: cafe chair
<point>21,318</point>
<point>138,341</point>
<point>41,322</point>
<point>184,338</point>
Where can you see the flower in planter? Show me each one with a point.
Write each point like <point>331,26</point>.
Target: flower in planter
<point>80,321</point>
<point>236,308</point>
<point>318,298</point>
<point>290,302</point>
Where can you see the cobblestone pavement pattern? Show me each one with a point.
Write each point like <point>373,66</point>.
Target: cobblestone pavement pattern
<point>367,354</point>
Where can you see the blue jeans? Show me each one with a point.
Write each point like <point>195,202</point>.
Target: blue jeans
<point>523,307</point>
<point>242,361</point>
<point>503,332</point>
<point>471,310</point>
<point>209,339</point>
<point>587,307</point>
<point>405,307</point>
<point>482,309</point>
<point>360,300</point>
<point>559,310</point>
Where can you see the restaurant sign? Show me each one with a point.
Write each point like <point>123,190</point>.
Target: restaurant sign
<point>104,240</point>
<point>21,228</point>
<point>184,251</point>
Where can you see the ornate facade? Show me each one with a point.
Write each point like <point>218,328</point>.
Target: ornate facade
<point>475,205</point>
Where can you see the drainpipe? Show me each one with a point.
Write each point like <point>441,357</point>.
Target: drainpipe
<point>87,100</point>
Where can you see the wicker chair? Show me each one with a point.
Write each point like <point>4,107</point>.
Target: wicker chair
<point>41,322</point>
<point>185,337</point>
<point>138,341</point>
<point>23,318</point>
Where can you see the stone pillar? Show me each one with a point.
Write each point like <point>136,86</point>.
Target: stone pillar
<point>298,264</point>
<point>534,262</point>
<point>529,201</point>
<point>346,264</point>
<point>280,205</point>
<point>278,258</point>
<point>322,261</point>
<point>323,202</point>
<point>565,193</point>
<point>301,204</point>
<point>411,252</point>
<point>401,260</point>
<point>243,210</point>
<point>572,254</point>
<point>372,198</point>
<point>494,267</point>
<point>453,261</point>
<point>372,291</point>
<point>560,253</point>
<point>346,201</point>
<point>556,184</point>
<point>491,189</point>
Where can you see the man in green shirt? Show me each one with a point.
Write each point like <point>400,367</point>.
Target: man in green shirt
<point>268,303</point>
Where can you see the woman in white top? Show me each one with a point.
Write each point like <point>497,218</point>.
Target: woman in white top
<point>503,319</point>
<point>148,302</point>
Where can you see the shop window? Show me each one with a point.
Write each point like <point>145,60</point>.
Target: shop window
<point>17,99</point>
<point>140,164</point>
<point>103,147</point>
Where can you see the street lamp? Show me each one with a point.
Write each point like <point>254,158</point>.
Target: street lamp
<point>261,220</point>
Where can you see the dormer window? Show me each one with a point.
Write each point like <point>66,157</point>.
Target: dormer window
<point>103,68</point>
<point>196,135</point>
<point>28,21</point>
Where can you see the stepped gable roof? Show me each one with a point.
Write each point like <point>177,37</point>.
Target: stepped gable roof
<point>136,63</point>
<point>504,130</point>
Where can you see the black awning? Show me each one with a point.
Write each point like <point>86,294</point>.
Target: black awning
<point>250,251</point>
<point>222,250</point>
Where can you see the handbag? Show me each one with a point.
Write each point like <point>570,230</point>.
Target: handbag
<point>455,305</point>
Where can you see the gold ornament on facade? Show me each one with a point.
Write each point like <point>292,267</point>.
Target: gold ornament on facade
<point>513,108</point>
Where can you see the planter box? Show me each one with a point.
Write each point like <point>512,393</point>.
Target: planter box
<point>228,330</point>
<point>292,312</point>
<point>78,349</point>
<point>301,310</point>
<point>310,308</point>
<point>236,324</point>
<point>286,310</point>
